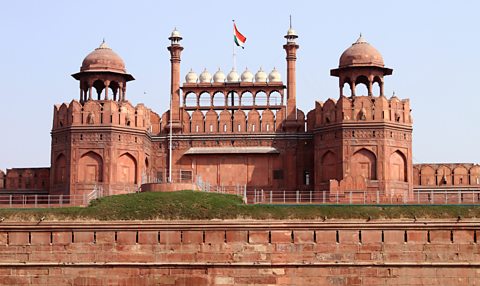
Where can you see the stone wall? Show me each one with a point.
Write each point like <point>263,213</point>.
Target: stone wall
<point>240,252</point>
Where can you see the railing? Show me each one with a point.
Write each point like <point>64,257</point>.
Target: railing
<point>239,190</point>
<point>48,201</point>
<point>420,197</point>
<point>177,176</point>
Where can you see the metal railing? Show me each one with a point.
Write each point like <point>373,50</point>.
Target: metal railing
<point>420,197</point>
<point>48,201</point>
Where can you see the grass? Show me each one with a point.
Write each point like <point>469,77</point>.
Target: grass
<point>205,206</point>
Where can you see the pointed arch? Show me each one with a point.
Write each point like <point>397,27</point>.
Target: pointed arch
<point>329,166</point>
<point>126,169</point>
<point>398,166</point>
<point>90,168</point>
<point>364,163</point>
<point>60,175</point>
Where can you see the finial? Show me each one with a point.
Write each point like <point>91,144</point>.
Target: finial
<point>290,21</point>
<point>393,93</point>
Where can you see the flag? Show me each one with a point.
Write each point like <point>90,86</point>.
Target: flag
<point>238,37</point>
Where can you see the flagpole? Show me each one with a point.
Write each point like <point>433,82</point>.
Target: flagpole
<point>233,53</point>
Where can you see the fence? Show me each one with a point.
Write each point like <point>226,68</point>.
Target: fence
<point>239,190</point>
<point>47,201</point>
<point>421,197</point>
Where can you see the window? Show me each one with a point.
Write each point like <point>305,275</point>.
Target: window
<point>278,174</point>
<point>307,178</point>
<point>185,176</point>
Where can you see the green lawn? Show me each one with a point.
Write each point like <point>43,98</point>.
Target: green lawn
<point>200,205</point>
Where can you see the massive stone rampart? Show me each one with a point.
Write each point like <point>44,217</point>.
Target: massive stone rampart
<point>331,252</point>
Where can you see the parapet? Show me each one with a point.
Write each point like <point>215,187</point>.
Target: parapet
<point>358,109</point>
<point>105,113</point>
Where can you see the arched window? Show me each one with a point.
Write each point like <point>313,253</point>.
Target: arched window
<point>398,167</point>
<point>346,89</point>
<point>205,99</point>
<point>190,99</point>
<point>247,98</point>
<point>361,86</point>
<point>275,98</point>
<point>329,166</point>
<point>218,99</point>
<point>90,168</point>
<point>364,163</point>
<point>233,99</point>
<point>260,98</point>
<point>126,169</point>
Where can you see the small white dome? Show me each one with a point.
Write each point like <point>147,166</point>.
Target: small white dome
<point>247,76</point>
<point>274,76</point>
<point>219,76</point>
<point>175,34</point>
<point>232,76</point>
<point>261,76</point>
<point>205,76</point>
<point>291,32</point>
<point>191,77</point>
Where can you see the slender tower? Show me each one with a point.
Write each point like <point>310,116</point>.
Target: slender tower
<point>291,48</point>
<point>175,50</point>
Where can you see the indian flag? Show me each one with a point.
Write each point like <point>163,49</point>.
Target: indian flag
<point>238,37</point>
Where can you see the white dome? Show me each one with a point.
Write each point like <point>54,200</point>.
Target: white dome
<point>232,76</point>
<point>274,76</point>
<point>175,34</point>
<point>219,76</point>
<point>261,76</point>
<point>247,76</point>
<point>205,76</point>
<point>191,77</point>
<point>291,32</point>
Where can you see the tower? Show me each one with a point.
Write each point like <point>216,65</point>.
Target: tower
<point>100,141</point>
<point>363,141</point>
<point>291,47</point>
<point>175,51</point>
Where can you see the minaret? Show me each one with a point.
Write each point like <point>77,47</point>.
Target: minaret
<point>291,48</point>
<point>175,50</point>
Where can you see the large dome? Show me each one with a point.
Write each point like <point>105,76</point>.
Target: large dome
<point>361,53</point>
<point>103,59</point>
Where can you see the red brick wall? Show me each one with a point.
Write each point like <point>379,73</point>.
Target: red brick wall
<point>238,252</point>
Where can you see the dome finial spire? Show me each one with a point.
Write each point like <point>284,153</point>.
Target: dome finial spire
<point>290,21</point>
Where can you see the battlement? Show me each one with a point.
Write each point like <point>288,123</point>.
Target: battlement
<point>235,121</point>
<point>446,175</point>
<point>360,108</point>
<point>105,113</point>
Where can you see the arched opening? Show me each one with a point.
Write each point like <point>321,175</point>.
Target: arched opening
<point>126,169</point>
<point>346,89</point>
<point>329,166</point>
<point>233,99</point>
<point>205,99</point>
<point>398,167</point>
<point>113,86</point>
<point>190,99</point>
<point>90,168</point>
<point>361,86</point>
<point>364,163</point>
<point>99,87</point>
<point>275,98</point>
<point>376,90</point>
<point>218,99</point>
<point>261,98</point>
<point>60,169</point>
<point>247,98</point>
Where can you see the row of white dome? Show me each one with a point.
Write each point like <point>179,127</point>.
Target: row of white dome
<point>219,76</point>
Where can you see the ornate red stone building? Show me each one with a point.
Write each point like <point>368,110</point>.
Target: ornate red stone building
<point>237,130</point>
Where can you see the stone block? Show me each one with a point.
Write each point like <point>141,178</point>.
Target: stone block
<point>170,237</point>
<point>214,236</point>
<point>303,236</point>
<point>18,238</point>
<point>234,236</point>
<point>148,237</point>
<point>40,238</point>
<point>281,236</point>
<point>258,236</point>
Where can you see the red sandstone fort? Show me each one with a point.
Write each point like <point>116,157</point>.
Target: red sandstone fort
<point>237,130</point>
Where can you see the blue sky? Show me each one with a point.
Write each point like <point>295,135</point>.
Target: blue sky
<point>431,45</point>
